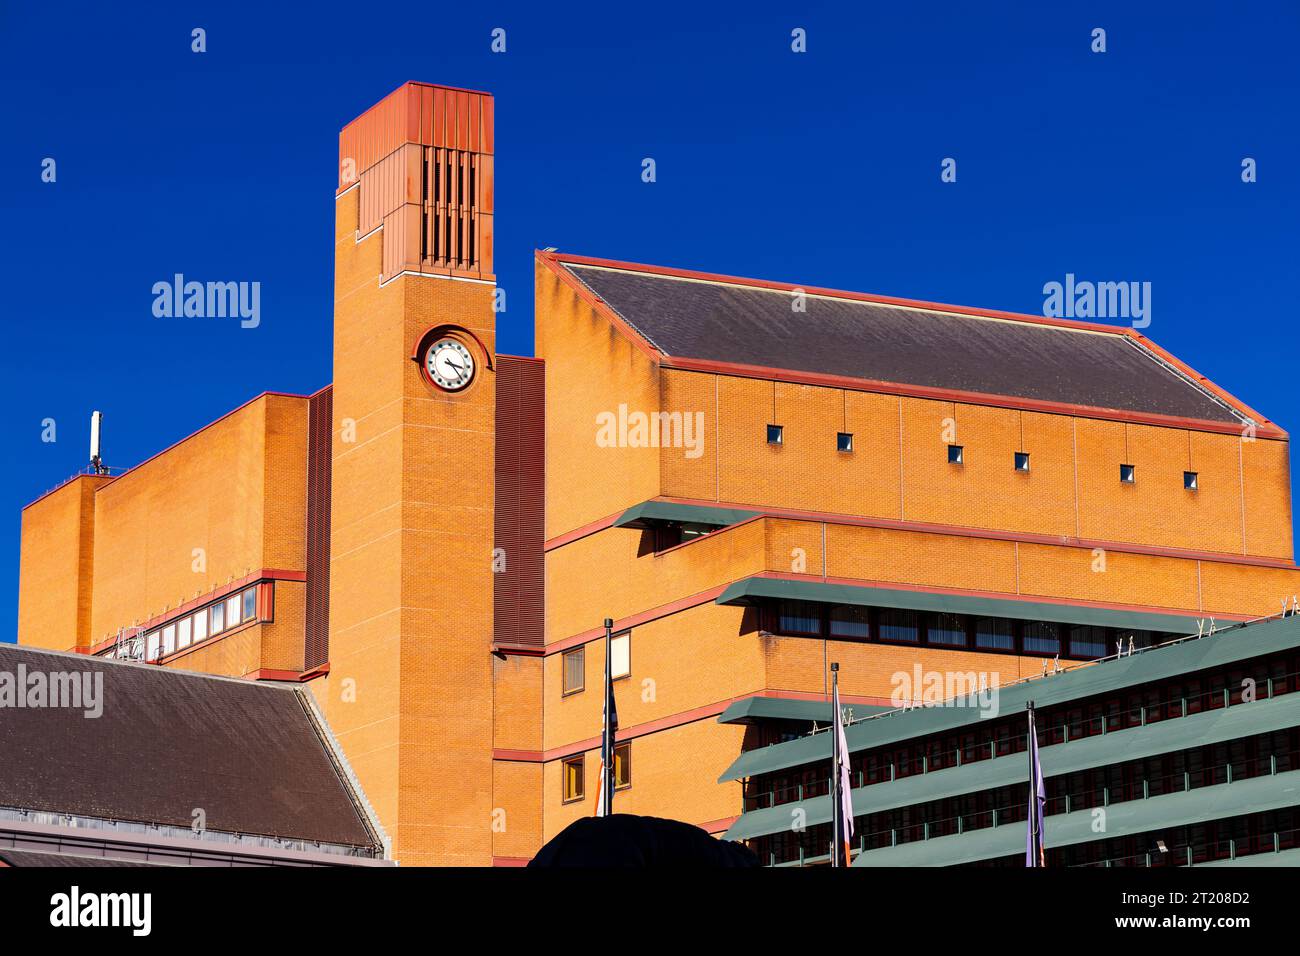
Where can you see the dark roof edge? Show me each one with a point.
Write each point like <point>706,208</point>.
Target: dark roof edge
<point>347,778</point>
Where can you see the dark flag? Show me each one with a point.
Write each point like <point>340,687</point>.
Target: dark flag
<point>1035,855</point>
<point>609,728</point>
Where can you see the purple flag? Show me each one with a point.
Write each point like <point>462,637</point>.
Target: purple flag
<point>1035,855</point>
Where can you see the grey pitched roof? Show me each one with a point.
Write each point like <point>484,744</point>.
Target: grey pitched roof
<point>726,321</point>
<point>168,743</point>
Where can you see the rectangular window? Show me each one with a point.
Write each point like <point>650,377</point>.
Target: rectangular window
<point>183,632</point>
<point>948,630</point>
<point>1022,461</point>
<point>169,639</point>
<point>844,441</point>
<point>574,664</point>
<point>250,604</point>
<point>620,655</point>
<point>200,625</point>
<point>1126,474</point>
<point>571,770</point>
<point>799,617</point>
<point>232,612</point>
<point>152,645</point>
<point>850,621</point>
<point>1088,642</point>
<point>622,765</point>
<point>218,615</point>
<point>995,634</point>
<point>1190,480</point>
<point>899,625</point>
<point>775,434</point>
<point>1042,637</point>
<point>955,454</point>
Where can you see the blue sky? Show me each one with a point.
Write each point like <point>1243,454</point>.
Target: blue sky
<point>821,168</point>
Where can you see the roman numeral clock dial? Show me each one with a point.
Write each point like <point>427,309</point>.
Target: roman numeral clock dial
<point>449,365</point>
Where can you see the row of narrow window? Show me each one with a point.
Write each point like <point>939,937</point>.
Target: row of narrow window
<point>207,622</point>
<point>957,455</point>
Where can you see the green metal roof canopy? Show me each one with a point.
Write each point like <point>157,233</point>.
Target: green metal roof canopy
<point>1158,663</point>
<point>751,590</point>
<point>782,708</point>
<point>647,512</point>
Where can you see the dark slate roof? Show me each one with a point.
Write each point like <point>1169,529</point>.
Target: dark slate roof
<point>168,742</point>
<point>729,322</point>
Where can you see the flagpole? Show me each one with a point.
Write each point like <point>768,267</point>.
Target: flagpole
<point>835,764</point>
<point>606,743</point>
<point>1034,855</point>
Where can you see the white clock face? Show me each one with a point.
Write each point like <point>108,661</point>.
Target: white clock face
<point>449,364</point>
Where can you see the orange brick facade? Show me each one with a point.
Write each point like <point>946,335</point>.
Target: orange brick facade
<point>459,745</point>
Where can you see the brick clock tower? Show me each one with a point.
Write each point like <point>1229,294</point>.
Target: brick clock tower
<point>409,693</point>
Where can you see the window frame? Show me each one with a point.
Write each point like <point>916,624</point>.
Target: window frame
<point>579,652</point>
<point>1128,477</point>
<point>778,431</point>
<point>614,638</point>
<point>1191,481</point>
<point>580,761</point>
<point>844,442</point>
<point>960,457</point>
<point>878,628</point>
<point>626,748</point>
<point>1021,456</point>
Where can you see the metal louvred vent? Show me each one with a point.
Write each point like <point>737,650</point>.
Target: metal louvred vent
<point>519,590</point>
<point>320,442</point>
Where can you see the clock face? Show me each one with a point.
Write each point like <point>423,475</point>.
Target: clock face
<point>449,364</point>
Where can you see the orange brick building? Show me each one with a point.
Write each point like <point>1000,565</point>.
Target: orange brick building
<point>752,479</point>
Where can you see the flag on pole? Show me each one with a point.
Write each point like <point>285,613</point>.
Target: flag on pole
<point>842,828</point>
<point>1035,854</point>
<point>609,727</point>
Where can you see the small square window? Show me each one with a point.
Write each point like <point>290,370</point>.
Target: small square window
<point>572,771</point>
<point>1126,474</point>
<point>620,656</point>
<point>955,454</point>
<point>844,441</point>
<point>775,434</point>
<point>1190,480</point>
<point>574,664</point>
<point>1022,461</point>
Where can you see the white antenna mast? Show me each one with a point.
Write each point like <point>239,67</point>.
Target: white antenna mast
<point>96,461</point>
